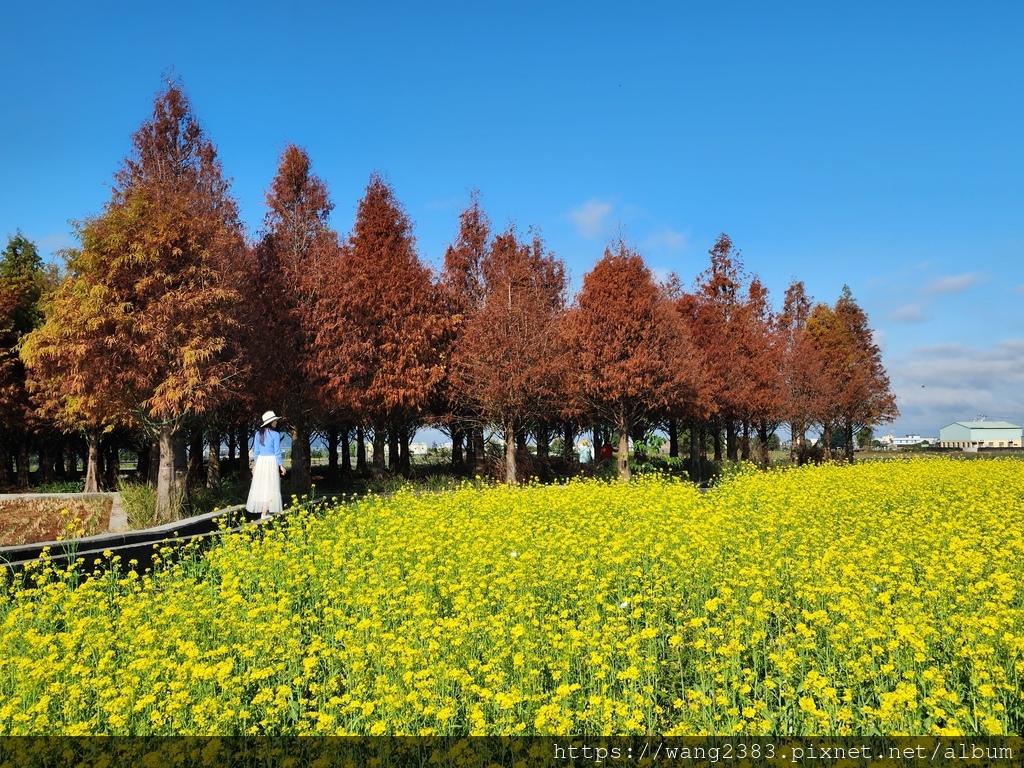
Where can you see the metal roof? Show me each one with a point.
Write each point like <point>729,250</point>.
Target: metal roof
<point>985,424</point>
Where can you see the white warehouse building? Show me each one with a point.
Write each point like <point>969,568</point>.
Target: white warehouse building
<point>980,434</point>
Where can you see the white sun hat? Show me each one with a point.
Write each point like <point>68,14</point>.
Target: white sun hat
<point>268,417</point>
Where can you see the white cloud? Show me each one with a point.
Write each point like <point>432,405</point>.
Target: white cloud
<point>911,313</point>
<point>954,283</point>
<point>940,384</point>
<point>661,274</point>
<point>667,239</point>
<point>590,217</point>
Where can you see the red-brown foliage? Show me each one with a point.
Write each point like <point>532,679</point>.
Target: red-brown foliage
<point>296,260</point>
<point>509,360</point>
<point>632,357</point>
<point>380,328</point>
<point>150,339</point>
<point>855,387</point>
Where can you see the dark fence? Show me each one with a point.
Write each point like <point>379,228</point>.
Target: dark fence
<point>129,546</point>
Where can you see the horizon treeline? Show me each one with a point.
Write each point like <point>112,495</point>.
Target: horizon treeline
<point>169,332</point>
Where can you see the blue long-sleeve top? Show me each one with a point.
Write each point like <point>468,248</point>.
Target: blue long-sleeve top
<point>271,446</point>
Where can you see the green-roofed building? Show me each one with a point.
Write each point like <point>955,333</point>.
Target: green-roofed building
<point>972,435</point>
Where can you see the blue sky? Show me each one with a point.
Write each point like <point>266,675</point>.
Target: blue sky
<point>879,145</point>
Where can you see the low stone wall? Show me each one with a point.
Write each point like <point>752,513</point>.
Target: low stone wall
<point>128,545</point>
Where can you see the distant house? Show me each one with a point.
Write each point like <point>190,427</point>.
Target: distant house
<point>906,441</point>
<point>418,449</point>
<point>972,435</point>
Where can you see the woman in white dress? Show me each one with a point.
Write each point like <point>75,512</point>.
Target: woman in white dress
<point>265,492</point>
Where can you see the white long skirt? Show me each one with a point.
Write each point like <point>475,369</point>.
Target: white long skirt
<point>265,492</point>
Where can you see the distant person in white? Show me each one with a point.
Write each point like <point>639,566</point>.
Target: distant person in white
<point>265,493</point>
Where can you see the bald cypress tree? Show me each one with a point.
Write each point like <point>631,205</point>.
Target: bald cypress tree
<point>462,291</point>
<point>296,258</point>
<point>509,361</point>
<point>153,271</point>
<point>632,356</point>
<point>380,327</point>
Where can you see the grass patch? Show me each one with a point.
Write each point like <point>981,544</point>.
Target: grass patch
<point>138,500</point>
<point>62,486</point>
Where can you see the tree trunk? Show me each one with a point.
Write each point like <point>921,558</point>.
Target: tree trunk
<point>57,456</point>
<point>180,442</point>
<point>762,436</point>
<point>378,450</point>
<point>213,460</point>
<point>168,487</point>
<point>457,437</point>
<point>471,449</point>
<point>141,462</point>
<point>404,459</point>
<point>673,439</point>
<point>543,441</point>
<point>510,453</point>
<point>718,441</point>
<point>568,446</point>
<point>154,464</point>
<point>112,463</point>
<point>394,465</point>
<point>623,458</point>
<point>23,462</point>
<point>731,451</point>
<point>231,447</point>
<point>332,453</point>
<point>849,442</point>
<point>46,463</point>
<point>745,442</point>
<point>244,470</point>
<point>695,452</point>
<point>521,441</point>
<point>346,453</point>
<point>195,456</point>
<point>92,464</point>
<point>360,450</point>
<point>70,460</point>
<point>301,478</point>
<point>479,452</point>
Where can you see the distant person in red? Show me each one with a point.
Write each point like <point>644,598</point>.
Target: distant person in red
<point>607,452</point>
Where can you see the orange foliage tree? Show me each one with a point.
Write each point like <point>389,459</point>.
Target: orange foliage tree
<point>631,356</point>
<point>380,327</point>
<point>74,368</point>
<point>760,353</point>
<point>802,371</point>
<point>855,387</point>
<point>508,364</point>
<point>295,260</point>
<point>462,291</point>
<point>152,268</point>
<point>711,316</point>
<point>22,284</point>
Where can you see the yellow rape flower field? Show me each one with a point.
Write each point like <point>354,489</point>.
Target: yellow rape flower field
<point>879,598</point>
